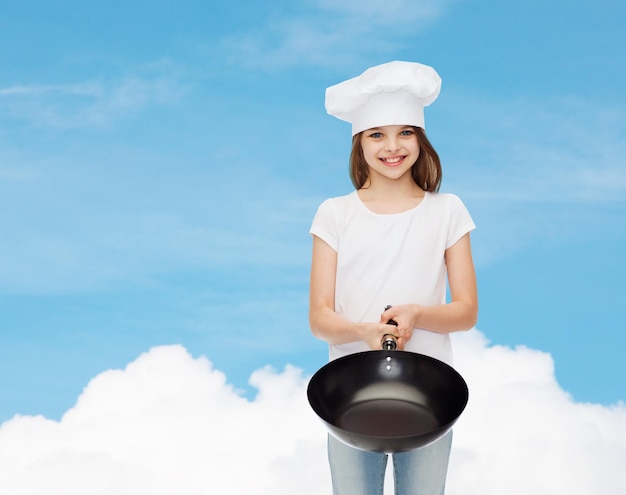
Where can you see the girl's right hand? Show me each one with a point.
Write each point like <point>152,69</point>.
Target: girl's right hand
<point>374,332</point>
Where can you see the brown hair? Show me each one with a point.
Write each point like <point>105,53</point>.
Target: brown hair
<point>426,170</point>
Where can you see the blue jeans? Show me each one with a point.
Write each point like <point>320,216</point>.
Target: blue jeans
<point>421,471</point>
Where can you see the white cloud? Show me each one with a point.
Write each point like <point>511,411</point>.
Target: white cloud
<point>522,433</point>
<point>169,423</point>
<point>330,32</point>
<point>93,103</point>
<point>166,424</point>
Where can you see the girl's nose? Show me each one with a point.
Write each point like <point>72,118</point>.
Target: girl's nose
<point>391,145</point>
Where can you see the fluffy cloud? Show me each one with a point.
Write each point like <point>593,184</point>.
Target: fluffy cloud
<point>521,433</point>
<point>167,424</point>
<point>171,423</point>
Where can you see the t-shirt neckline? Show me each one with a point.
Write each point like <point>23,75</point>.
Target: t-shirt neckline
<point>400,213</point>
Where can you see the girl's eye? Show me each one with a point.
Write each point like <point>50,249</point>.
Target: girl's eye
<point>407,132</point>
<point>376,135</point>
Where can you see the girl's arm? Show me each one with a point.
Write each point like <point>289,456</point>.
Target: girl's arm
<point>459,314</point>
<point>325,323</point>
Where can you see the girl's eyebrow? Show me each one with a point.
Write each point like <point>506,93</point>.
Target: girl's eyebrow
<point>380,128</point>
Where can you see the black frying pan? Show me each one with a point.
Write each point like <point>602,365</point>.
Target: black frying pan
<point>387,400</point>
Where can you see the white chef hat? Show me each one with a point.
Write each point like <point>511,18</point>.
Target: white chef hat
<point>394,93</point>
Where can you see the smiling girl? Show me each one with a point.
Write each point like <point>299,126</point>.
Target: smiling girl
<point>394,241</point>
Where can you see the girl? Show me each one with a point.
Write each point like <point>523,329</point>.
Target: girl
<point>394,241</point>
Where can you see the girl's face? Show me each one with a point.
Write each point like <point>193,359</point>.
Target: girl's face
<point>390,151</point>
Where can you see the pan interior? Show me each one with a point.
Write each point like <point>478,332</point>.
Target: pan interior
<point>388,418</point>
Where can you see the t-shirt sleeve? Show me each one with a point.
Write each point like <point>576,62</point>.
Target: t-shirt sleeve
<point>324,224</point>
<point>460,221</point>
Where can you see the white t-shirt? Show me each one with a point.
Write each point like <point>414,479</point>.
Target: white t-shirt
<point>391,260</point>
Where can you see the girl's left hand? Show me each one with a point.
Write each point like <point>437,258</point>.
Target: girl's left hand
<point>405,316</point>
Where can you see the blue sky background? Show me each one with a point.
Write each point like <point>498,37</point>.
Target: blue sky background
<point>160,163</point>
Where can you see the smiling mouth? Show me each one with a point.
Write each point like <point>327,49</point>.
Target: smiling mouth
<point>394,160</point>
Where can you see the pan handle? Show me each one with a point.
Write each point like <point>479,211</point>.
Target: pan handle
<point>389,342</point>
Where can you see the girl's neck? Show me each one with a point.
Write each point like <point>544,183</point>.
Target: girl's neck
<point>389,197</point>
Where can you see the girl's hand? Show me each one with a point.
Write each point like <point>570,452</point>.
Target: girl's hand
<point>374,332</point>
<point>405,316</point>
